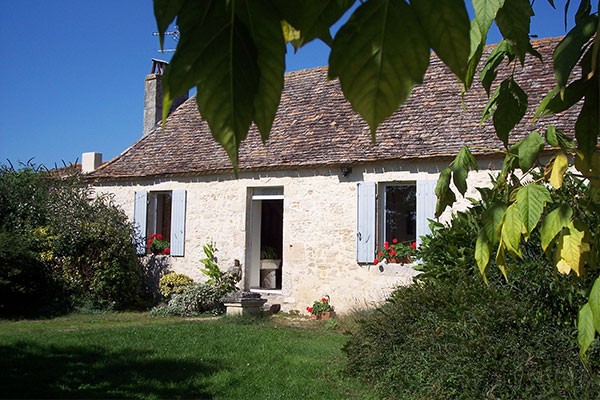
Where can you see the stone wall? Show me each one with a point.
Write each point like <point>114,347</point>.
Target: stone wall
<point>319,227</point>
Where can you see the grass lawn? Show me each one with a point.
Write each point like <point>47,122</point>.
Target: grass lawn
<point>132,355</point>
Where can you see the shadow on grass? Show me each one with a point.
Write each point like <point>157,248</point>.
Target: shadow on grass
<point>37,371</point>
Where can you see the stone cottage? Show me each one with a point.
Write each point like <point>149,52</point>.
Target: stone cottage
<point>319,194</point>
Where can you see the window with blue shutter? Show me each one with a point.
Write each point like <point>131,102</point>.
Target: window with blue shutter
<point>161,213</point>
<point>178,222</point>
<point>426,201</point>
<point>365,222</point>
<point>140,206</point>
<point>405,212</point>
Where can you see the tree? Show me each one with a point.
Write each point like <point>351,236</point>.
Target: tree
<point>233,52</point>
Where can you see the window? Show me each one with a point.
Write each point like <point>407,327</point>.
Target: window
<point>398,212</point>
<point>162,213</point>
<point>403,210</point>
<point>158,214</point>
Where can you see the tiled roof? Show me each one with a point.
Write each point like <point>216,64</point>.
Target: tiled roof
<point>315,126</point>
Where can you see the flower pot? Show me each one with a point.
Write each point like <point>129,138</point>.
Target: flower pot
<point>404,260</point>
<point>392,261</point>
<point>326,315</point>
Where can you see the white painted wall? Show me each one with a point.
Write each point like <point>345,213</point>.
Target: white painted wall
<point>319,246</point>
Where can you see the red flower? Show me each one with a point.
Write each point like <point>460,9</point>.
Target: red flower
<point>324,299</point>
<point>167,251</point>
<point>159,236</point>
<point>386,245</point>
<point>413,245</point>
<point>150,241</point>
<point>153,236</point>
<point>393,253</point>
<point>376,261</point>
<point>147,246</point>
<point>395,241</point>
<point>380,254</point>
<point>309,309</point>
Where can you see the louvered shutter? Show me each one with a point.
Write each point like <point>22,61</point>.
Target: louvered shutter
<point>178,222</point>
<point>365,222</point>
<point>140,206</point>
<point>426,201</point>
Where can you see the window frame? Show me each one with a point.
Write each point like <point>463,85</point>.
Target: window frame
<point>381,209</point>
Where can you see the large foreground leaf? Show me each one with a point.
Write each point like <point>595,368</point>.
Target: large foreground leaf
<point>218,55</point>
<point>379,54</point>
<point>531,200</point>
<point>264,25</point>
<point>553,223</point>
<point>446,25</point>
<point>513,21</point>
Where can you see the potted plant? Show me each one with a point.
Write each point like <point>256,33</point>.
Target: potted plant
<point>321,309</point>
<point>397,252</point>
<point>269,263</point>
<point>269,258</point>
<point>158,245</point>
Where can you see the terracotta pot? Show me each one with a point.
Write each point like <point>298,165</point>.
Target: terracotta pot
<point>392,261</point>
<point>326,315</point>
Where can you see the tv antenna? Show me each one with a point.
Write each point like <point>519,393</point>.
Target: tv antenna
<point>174,34</point>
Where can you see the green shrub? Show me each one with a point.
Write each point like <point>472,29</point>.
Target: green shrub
<point>197,299</point>
<point>57,246</point>
<point>224,282</point>
<point>174,283</point>
<point>443,339</point>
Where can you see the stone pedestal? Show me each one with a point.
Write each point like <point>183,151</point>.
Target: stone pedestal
<point>246,304</point>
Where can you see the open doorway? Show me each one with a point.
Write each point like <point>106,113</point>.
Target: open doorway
<point>266,242</point>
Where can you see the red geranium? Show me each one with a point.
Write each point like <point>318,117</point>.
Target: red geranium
<point>167,251</point>
<point>159,236</point>
<point>413,245</point>
<point>392,252</point>
<point>375,261</point>
<point>386,245</point>
<point>395,241</point>
<point>309,309</point>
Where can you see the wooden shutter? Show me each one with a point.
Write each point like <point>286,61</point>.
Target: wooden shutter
<point>140,207</point>
<point>178,222</point>
<point>365,222</point>
<point>426,201</point>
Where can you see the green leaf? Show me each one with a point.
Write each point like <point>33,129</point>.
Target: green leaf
<point>588,122</point>
<point>553,223</point>
<point>511,105</point>
<point>488,73</point>
<point>312,18</point>
<point>165,12</point>
<point>513,21</point>
<point>482,254</point>
<point>477,45</point>
<point>511,229</point>
<point>265,28</point>
<point>218,55</point>
<point>446,25</point>
<point>570,48</point>
<point>551,136</point>
<point>485,12</point>
<point>559,167</point>
<point>529,150</point>
<point>531,200</point>
<point>585,329</point>
<point>443,192</point>
<point>464,159</point>
<point>492,221</point>
<point>379,54</point>
<point>594,302</point>
<point>501,259</point>
<point>555,102</point>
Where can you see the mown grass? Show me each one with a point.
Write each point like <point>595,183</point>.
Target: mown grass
<point>133,355</point>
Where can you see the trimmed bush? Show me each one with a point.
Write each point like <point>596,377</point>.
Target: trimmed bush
<point>197,299</point>
<point>445,339</point>
<point>174,283</point>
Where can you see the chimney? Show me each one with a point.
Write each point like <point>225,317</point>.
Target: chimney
<point>153,96</point>
<point>90,161</point>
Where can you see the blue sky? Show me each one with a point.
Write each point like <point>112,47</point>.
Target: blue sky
<point>72,74</point>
